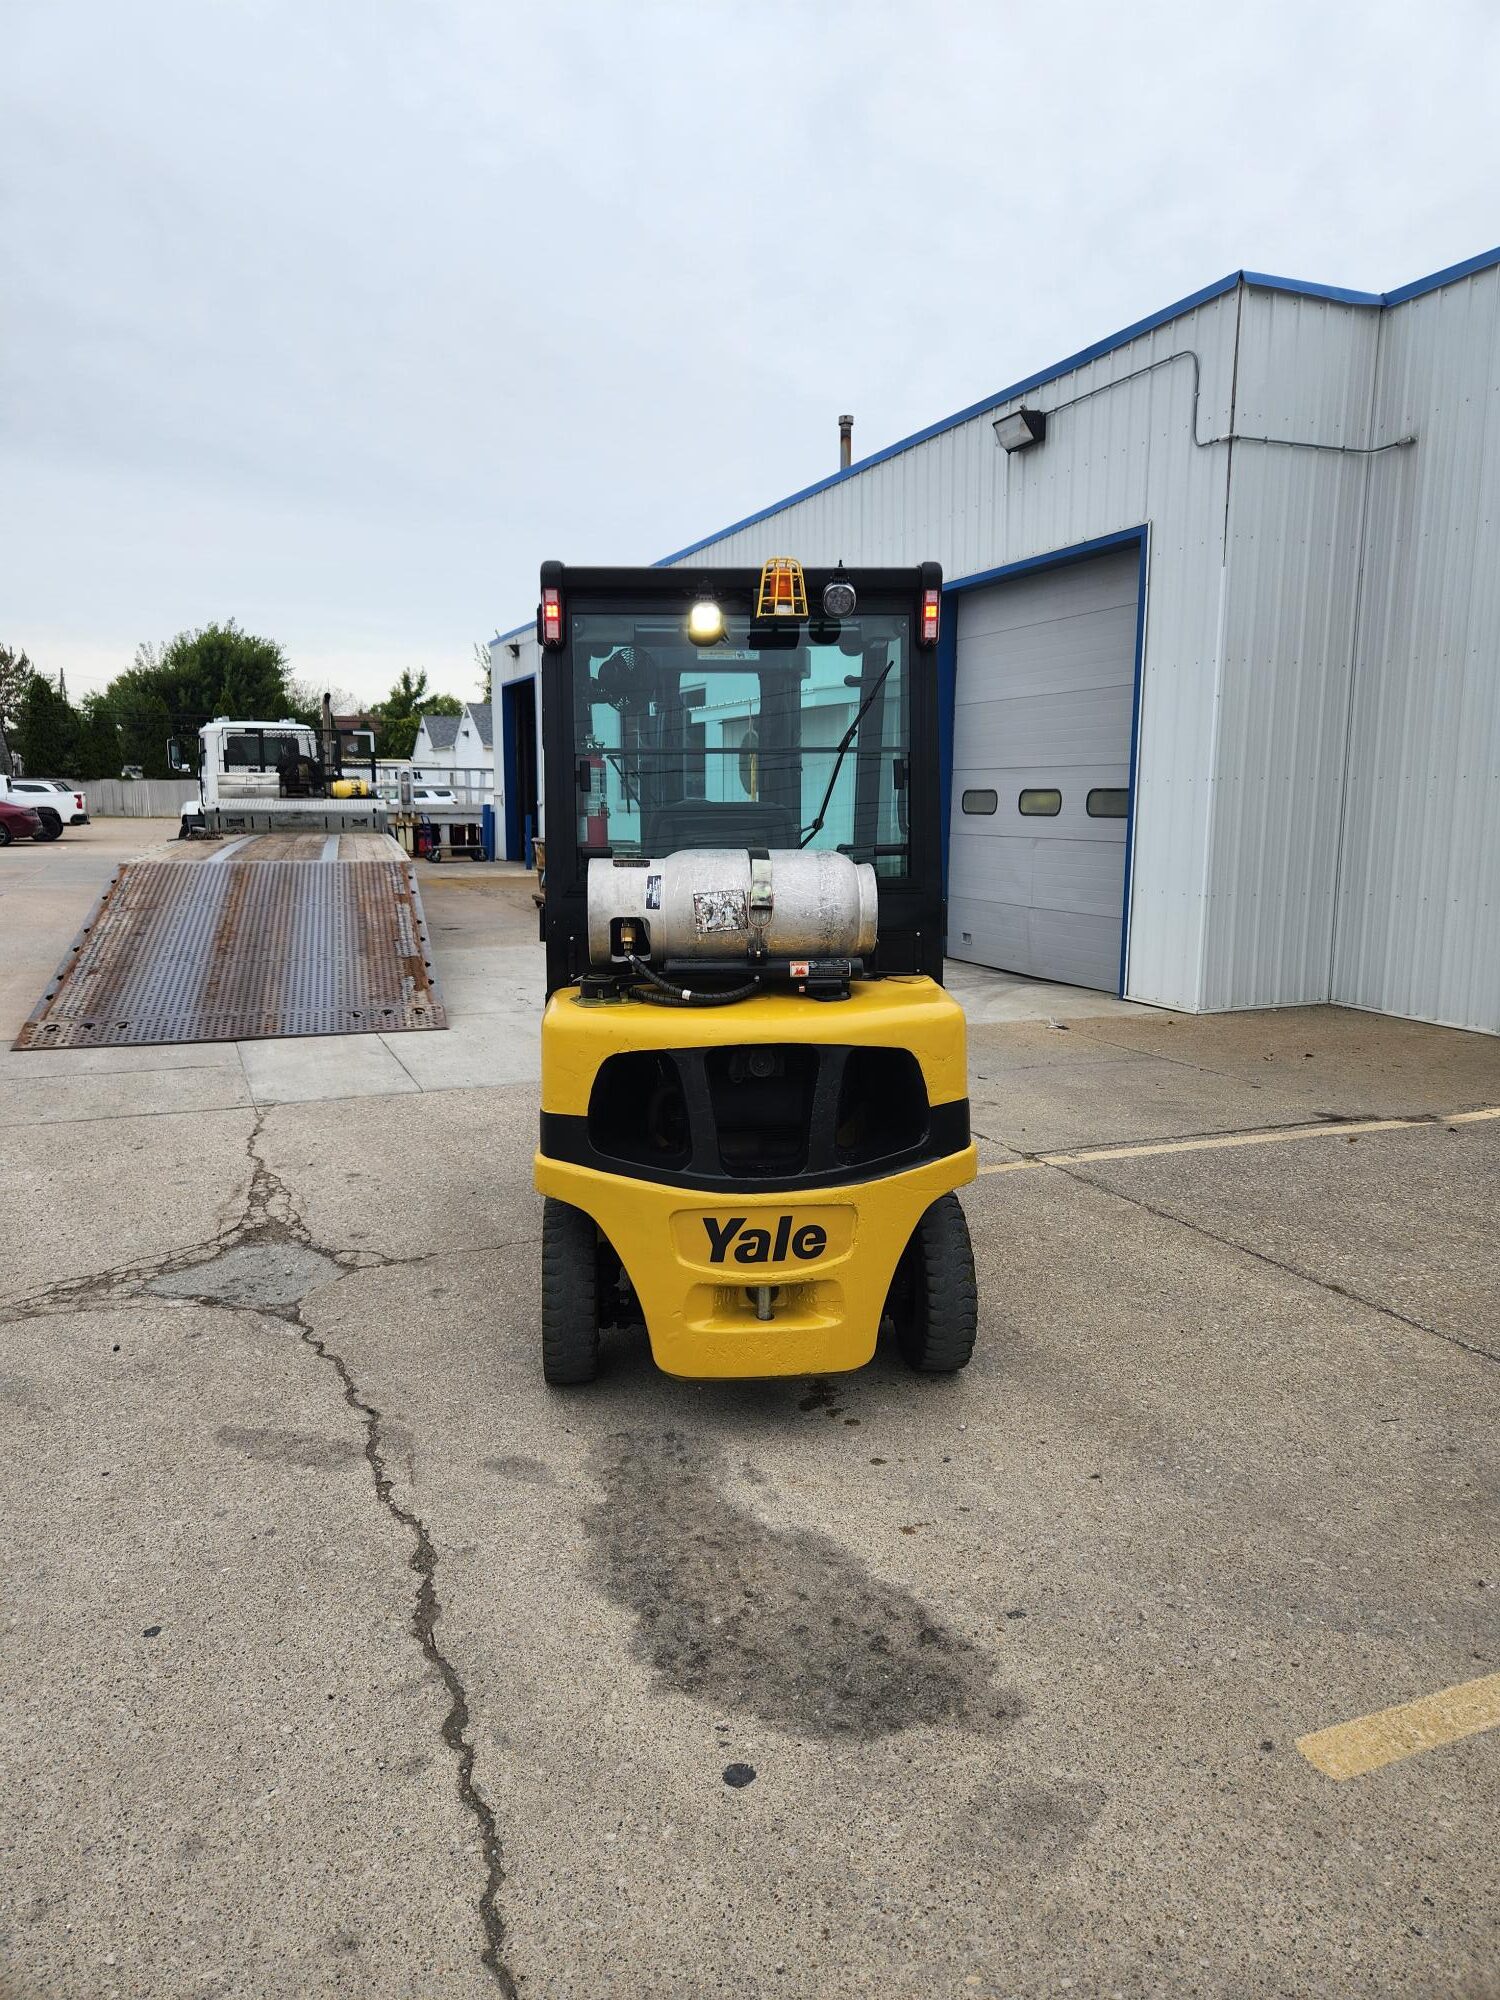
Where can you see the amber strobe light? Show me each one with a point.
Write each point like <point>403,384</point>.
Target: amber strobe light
<point>783,589</point>
<point>932,604</point>
<point>551,618</point>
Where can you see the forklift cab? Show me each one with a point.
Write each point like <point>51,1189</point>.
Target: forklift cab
<point>754,1101</point>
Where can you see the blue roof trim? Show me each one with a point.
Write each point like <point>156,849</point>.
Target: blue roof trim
<point>1261,280</point>
<point>1264,282</point>
<point>1483,262</point>
<point>1078,360</point>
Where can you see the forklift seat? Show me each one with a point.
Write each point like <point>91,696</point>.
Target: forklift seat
<point>691,823</point>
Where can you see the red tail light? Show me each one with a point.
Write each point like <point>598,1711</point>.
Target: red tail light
<point>78,802</point>
<point>932,604</point>
<point>551,618</point>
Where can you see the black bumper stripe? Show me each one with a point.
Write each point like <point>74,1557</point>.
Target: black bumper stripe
<point>565,1137</point>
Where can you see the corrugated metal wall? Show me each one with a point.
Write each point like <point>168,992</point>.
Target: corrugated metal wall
<point>1317,806</point>
<point>1113,461</point>
<point>1306,372</point>
<point>1418,928</point>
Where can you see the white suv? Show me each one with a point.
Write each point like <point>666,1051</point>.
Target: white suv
<point>55,803</point>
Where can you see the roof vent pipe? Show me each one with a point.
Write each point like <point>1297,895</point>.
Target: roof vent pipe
<point>846,443</point>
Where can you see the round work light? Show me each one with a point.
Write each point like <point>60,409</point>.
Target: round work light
<point>705,623</point>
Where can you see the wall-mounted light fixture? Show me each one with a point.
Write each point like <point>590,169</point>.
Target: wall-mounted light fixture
<point>1021,428</point>
<point>513,647</point>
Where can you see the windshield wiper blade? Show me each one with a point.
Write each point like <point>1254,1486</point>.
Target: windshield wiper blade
<point>812,832</point>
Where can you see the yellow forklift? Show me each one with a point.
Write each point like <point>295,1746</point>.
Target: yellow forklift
<point>754,1093</point>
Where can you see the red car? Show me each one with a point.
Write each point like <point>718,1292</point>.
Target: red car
<point>18,823</point>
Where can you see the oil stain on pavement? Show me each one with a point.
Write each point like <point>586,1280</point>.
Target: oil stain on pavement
<point>1020,1828</point>
<point>782,1623</point>
<point>305,1450</point>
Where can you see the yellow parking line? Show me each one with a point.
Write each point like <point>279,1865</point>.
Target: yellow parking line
<point>1351,1749</point>
<point>1276,1136</point>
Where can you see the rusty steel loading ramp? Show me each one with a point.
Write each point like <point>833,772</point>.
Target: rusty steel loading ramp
<point>236,950</point>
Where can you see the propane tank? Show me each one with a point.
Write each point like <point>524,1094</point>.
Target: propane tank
<point>726,902</point>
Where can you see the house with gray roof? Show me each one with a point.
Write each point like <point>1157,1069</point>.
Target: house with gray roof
<point>463,744</point>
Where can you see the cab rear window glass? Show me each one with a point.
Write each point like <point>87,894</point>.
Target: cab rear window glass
<point>1039,803</point>
<point>258,752</point>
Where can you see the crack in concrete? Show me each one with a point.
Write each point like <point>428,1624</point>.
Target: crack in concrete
<point>428,1609</point>
<point>268,1220</point>
<point>1276,1264</point>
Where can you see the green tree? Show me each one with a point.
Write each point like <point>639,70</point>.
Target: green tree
<point>145,723</point>
<point>172,689</point>
<point>46,735</point>
<point>400,714</point>
<point>15,672</point>
<point>98,740</point>
<point>486,666</point>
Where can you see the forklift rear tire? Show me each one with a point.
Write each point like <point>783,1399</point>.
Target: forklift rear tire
<point>570,1296</point>
<point>935,1302</point>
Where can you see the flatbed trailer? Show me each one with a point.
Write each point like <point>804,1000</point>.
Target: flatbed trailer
<point>264,934</point>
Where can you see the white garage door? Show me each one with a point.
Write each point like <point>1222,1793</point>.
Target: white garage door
<point>1041,767</point>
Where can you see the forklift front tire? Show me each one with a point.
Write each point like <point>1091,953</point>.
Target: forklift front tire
<point>935,1303</point>
<point>570,1296</point>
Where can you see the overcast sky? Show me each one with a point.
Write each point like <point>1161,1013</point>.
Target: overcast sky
<point>338,317</point>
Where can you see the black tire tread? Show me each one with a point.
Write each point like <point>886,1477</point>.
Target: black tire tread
<point>570,1296</point>
<point>937,1337</point>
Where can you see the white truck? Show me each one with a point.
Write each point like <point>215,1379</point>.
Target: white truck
<point>279,777</point>
<point>55,803</point>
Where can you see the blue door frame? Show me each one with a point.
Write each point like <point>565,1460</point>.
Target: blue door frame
<point>518,830</point>
<point>947,667</point>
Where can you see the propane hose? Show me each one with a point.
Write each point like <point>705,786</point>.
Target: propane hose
<point>662,993</point>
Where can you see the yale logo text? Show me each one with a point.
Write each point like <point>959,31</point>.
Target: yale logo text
<point>733,1240</point>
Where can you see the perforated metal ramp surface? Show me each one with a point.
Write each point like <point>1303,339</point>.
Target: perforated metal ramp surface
<point>234,952</point>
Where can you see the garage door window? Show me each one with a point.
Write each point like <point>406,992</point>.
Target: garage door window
<point>981,801</point>
<point>1040,804</point>
<point>1108,802</point>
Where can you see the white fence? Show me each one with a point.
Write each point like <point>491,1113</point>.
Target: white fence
<point>138,798</point>
<point>471,785</point>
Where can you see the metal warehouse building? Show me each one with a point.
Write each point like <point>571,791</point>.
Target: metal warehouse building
<point>1221,649</point>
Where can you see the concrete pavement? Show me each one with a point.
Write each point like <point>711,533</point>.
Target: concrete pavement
<point>342,1658</point>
